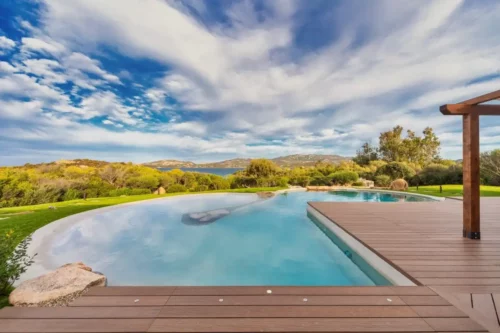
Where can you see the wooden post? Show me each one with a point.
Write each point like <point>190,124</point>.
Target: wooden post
<point>471,228</point>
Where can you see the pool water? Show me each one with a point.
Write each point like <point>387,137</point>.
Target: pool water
<point>260,242</point>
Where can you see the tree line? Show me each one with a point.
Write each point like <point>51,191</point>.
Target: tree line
<point>411,157</point>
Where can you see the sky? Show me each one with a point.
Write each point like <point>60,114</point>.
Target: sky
<point>143,80</point>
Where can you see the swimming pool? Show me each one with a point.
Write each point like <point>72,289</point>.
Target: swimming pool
<point>209,240</point>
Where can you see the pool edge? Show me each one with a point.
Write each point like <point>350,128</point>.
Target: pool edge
<point>375,260</point>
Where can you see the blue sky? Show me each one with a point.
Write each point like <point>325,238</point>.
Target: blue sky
<point>140,80</point>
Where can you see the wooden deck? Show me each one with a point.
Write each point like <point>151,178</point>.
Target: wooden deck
<point>424,240</point>
<point>246,309</point>
<point>460,289</point>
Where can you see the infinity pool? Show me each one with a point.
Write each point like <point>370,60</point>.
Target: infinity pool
<point>244,241</point>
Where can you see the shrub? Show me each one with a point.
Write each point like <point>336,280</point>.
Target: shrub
<point>299,181</point>
<point>358,183</point>
<point>72,194</point>
<point>144,181</point>
<point>14,260</point>
<point>396,170</point>
<point>261,168</point>
<point>320,181</point>
<point>243,181</point>
<point>175,188</point>
<point>129,191</point>
<point>343,177</point>
<point>382,180</point>
<point>200,188</point>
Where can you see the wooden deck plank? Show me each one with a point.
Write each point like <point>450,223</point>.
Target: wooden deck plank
<point>286,311</point>
<point>278,290</point>
<point>454,324</point>
<point>299,290</point>
<point>460,281</point>
<point>74,325</point>
<point>292,325</point>
<point>485,305</point>
<point>130,291</point>
<point>80,312</point>
<point>466,274</point>
<point>120,301</point>
<point>438,311</point>
<point>291,300</point>
<point>496,302</point>
<point>424,300</point>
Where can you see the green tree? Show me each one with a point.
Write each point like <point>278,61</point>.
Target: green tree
<point>413,149</point>
<point>396,170</point>
<point>490,167</point>
<point>366,154</point>
<point>261,168</point>
<point>390,144</point>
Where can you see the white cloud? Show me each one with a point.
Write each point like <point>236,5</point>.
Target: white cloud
<point>20,110</point>
<point>109,122</point>
<point>6,45</point>
<point>189,127</point>
<point>107,103</point>
<point>82,62</point>
<point>5,67</point>
<point>51,47</point>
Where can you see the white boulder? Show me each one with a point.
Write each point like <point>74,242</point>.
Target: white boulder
<point>57,288</point>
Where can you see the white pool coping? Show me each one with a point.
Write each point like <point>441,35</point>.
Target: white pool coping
<point>352,189</point>
<point>380,265</point>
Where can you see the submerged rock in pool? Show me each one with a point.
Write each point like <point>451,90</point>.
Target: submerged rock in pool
<point>204,217</point>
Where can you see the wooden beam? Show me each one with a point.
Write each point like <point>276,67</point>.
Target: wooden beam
<point>463,109</point>
<point>471,216</point>
<point>483,98</point>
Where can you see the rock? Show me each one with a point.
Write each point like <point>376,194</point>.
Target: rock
<point>265,195</point>
<point>323,188</point>
<point>160,190</point>
<point>399,185</point>
<point>203,218</point>
<point>367,183</point>
<point>52,207</point>
<point>57,288</point>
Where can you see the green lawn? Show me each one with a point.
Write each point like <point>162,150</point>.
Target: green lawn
<point>455,191</point>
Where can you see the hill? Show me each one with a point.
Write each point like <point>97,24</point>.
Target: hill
<point>171,164</point>
<point>307,160</point>
<point>282,161</point>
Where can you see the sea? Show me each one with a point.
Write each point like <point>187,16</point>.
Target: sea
<point>215,171</point>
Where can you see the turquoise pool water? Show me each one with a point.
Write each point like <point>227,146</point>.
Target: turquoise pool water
<point>255,242</point>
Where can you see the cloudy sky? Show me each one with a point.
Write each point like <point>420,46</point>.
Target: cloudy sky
<point>139,80</point>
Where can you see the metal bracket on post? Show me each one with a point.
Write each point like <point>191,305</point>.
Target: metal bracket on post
<point>472,235</point>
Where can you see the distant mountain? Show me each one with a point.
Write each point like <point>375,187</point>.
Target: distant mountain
<point>307,160</point>
<point>282,161</point>
<point>171,164</point>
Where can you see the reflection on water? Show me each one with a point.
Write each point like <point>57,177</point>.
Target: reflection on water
<point>268,242</point>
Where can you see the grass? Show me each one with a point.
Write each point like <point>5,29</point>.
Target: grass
<point>25,220</point>
<point>454,190</point>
